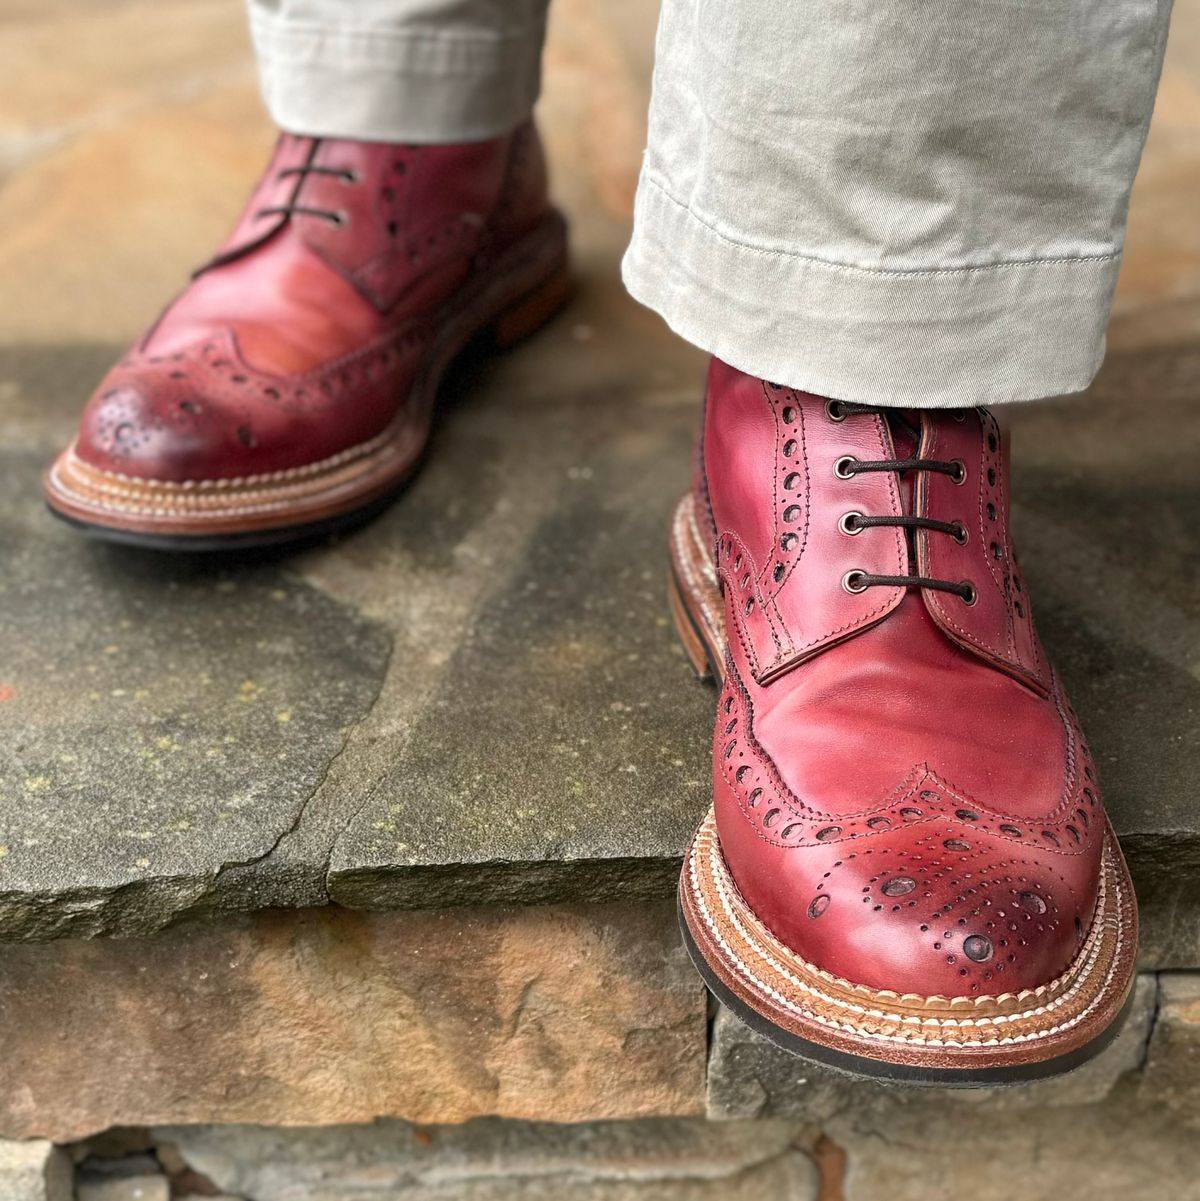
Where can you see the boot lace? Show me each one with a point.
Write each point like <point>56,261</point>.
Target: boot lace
<point>857,580</point>
<point>333,216</point>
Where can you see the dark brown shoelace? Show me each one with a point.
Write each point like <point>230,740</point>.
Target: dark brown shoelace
<point>848,467</point>
<point>334,216</point>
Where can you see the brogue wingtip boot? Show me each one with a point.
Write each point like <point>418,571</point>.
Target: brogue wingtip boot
<point>289,388</point>
<point>907,871</point>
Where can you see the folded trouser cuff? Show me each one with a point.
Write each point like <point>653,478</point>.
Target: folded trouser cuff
<point>421,84</point>
<point>937,338</point>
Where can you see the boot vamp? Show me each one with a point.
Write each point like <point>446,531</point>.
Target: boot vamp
<point>290,311</point>
<point>849,727</point>
<point>919,823</point>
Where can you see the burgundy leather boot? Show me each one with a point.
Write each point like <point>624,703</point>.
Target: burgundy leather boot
<point>907,870</point>
<point>289,388</point>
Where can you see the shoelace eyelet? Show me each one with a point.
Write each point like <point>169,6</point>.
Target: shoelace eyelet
<point>834,411</point>
<point>960,534</point>
<point>970,596</point>
<point>848,523</point>
<point>848,580</point>
<point>960,477</point>
<point>840,467</point>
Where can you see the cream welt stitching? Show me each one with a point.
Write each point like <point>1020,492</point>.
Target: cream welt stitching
<point>1091,950</point>
<point>181,511</point>
<point>683,559</point>
<point>908,1037</point>
<point>698,538</point>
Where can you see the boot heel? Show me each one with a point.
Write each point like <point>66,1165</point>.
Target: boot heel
<point>530,312</point>
<point>698,615</point>
<point>694,645</point>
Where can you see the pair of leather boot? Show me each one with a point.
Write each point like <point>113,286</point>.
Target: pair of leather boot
<point>907,870</point>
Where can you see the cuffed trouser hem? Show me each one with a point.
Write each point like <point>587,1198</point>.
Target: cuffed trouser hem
<point>416,85</point>
<point>925,339</point>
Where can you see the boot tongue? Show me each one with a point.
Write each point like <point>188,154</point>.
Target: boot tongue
<point>904,425</point>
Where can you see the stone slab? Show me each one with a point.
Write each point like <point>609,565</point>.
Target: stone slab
<point>1115,1151</point>
<point>162,725</point>
<point>326,1016</point>
<point>124,1188</point>
<point>487,1160</point>
<point>34,1170</point>
<point>1173,1062</point>
<point>749,1077</point>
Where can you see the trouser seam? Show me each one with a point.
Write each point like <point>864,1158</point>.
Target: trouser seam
<point>890,273</point>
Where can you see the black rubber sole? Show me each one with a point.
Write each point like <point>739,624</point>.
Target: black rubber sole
<point>895,1073</point>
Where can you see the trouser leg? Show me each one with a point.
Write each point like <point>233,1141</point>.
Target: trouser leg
<point>897,203</point>
<point>399,70</point>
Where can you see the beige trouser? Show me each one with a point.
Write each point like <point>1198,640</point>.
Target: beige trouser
<point>918,203</point>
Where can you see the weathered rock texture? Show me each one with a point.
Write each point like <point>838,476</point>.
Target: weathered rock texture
<point>749,1077</point>
<point>1173,1066</point>
<point>34,1171</point>
<point>122,1188</point>
<point>1115,1151</point>
<point>327,1016</point>
<point>506,1161</point>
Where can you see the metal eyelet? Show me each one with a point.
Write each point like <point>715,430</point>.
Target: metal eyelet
<point>839,468</point>
<point>848,523</point>
<point>960,534</point>
<point>972,596</point>
<point>833,410</point>
<point>850,576</point>
<point>350,175</point>
<point>960,476</point>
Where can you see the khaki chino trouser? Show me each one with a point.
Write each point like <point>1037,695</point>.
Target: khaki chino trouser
<point>911,202</point>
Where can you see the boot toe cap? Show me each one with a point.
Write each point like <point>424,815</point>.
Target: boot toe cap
<point>154,425</point>
<point>931,907</point>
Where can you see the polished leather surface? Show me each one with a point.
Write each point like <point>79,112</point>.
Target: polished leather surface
<point>304,334</point>
<point>902,791</point>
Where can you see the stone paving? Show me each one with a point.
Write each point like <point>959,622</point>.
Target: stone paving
<point>477,701</point>
<point>478,698</point>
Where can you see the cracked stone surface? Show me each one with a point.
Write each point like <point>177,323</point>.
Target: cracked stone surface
<point>1173,1062</point>
<point>478,698</point>
<point>163,724</point>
